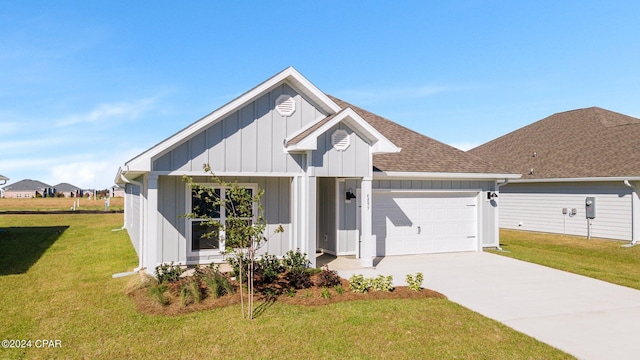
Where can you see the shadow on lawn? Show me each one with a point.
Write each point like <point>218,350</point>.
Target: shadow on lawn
<point>21,247</point>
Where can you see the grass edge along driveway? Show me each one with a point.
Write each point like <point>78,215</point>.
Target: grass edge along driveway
<point>600,259</point>
<point>68,295</point>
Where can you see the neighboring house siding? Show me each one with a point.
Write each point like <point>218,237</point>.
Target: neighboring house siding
<point>132,214</point>
<point>487,210</point>
<point>172,203</point>
<point>331,162</point>
<point>538,207</point>
<point>249,140</point>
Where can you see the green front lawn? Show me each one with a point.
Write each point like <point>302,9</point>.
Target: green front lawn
<point>597,258</point>
<point>57,285</point>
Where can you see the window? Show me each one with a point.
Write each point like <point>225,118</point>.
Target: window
<point>209,238</point>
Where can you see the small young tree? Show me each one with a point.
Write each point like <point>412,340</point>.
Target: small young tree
<point>244,225</point>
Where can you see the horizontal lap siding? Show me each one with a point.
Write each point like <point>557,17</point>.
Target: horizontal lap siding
<point>538,207</point>
<point>249,140</point>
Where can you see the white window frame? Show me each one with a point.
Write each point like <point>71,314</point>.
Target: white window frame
<point>221,241</point>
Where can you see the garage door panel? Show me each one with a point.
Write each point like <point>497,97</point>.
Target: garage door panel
<point>410,223</point>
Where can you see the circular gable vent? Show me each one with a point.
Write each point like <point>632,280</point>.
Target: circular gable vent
<point>340,140</point>
<point>286,105</point>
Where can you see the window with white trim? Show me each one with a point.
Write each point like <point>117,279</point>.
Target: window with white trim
<point>209,238</point>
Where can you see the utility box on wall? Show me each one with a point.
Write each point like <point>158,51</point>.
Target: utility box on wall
<point>590,207</point>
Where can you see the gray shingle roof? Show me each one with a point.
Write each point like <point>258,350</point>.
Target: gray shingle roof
<point>26,185</point>
<point>66,187</point>
<point>419,153</point>
<point>581,143</point>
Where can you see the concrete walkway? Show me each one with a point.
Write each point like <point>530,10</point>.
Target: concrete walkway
<point>587,318</point>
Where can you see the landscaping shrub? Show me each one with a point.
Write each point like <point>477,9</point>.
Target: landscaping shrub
<point>270,267</point>
<point>415,283</point>
<point>190,291</point>
<point>299,279</point>
<point>141,280</point>
<point>157,293</point>
<point>295,260</point>
<point>217,282</point>
<point>381,283</point>
<point>358,283</point>
<point>328,278</point>
<point>168,272</point>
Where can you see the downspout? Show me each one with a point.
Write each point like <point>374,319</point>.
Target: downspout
<point>498,186</point>
<point>634,210</point>
<point>139,184</point>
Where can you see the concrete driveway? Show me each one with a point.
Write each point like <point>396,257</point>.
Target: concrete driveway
<point>587,318</point>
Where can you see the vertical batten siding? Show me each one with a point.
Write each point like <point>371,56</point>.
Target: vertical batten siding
<point>538,207</point>
<point>328,161</point>
<point>171,202</point>
<point>249,140</point>
<point>172,207</point>
<point>326,229</point>
<point>348,231</point>
<point>132,214</point>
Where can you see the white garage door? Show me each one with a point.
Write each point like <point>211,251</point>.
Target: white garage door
<point>418,223</point>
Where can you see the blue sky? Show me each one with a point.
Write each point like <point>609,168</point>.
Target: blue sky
<point>87,85</point>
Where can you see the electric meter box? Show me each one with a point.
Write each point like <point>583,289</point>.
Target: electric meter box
<point>590,207</point>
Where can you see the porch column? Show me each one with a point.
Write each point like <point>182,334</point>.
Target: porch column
<point>368,241</point>
<point>150,237</point>
<point>311,209</point>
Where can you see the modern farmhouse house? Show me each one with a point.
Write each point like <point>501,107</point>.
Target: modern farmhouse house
<point>581,174</point>
<point>339,179</point>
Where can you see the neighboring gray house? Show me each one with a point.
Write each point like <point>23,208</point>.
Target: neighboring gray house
<point>67,189</point>
<point>566,160</point>
<point>338,178</point>
<point>26,188</point>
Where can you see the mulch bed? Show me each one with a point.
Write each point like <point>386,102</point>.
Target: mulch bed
<point>304,297</point>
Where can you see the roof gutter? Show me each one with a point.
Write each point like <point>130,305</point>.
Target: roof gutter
<point>635,219</point>
<point>442,175</point>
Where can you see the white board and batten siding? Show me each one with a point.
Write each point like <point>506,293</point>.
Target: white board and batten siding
<point>329,161</point>
<point>538,207</point>
<point>431,216</point>
<point>249,140</point>
<point>132,203</point>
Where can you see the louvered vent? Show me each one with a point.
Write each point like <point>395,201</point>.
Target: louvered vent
<point>340,140</point>
<point>286,105</point>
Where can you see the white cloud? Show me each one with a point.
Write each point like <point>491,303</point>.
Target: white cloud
<point>115,112</point>
<point>83,170</point>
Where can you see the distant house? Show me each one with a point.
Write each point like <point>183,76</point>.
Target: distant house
<point>337,178</point>
<point>4,180</point>
<point>26,188</point>
<point>117,191</point>
<point>67,189</point>
<point>581,174</point>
